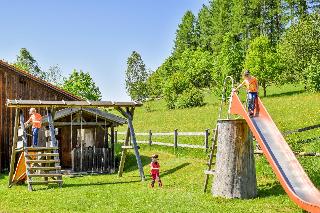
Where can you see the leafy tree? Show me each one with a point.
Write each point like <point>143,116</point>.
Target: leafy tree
<point>197,66</point>
<point>26,62</point>
<point>81,84</point>
<point>228,63</point>
<point>313,75</point>
<point>186,35</point>
<point>136,77</point>
<point>297,48</point>
<point>54,75</point>
<point>261,60</point>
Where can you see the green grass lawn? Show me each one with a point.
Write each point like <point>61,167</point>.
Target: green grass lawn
<point>182,171</point>
<point>182,191</point>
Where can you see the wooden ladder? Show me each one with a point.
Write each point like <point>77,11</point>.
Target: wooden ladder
<point>40,162</point>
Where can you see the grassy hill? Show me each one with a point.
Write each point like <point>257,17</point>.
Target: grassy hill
<point>182,172</point>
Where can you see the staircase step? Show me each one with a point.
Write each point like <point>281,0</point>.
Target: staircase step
<point>42,161</point>
<point>42,154</point>
<point>45,168</point>
<point>42,148</point>
<point>39,182</point>
<point>45,175</point>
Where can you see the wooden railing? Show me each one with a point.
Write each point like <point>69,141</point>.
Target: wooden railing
<point>96,160</point>
<point>175,141</point>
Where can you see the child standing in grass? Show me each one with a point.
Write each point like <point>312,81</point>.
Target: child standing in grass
<point>252,92</point>
<point>155,171</point>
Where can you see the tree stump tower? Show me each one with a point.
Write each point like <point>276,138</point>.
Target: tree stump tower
<point>235,173</point>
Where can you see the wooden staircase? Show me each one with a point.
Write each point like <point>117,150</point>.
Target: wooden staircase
<point>36,165</point>
<point>42,162</point>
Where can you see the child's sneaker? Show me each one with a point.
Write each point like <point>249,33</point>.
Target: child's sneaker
<point>250,114</point>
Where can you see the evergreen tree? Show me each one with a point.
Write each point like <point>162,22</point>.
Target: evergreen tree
<point>136,77</point>
<point>204,29</point>
<point>186,35</point>
<point>26,62</point>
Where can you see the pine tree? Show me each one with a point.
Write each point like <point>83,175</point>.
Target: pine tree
<point>136,77</point>
<point>204,28</point>
<point>186,35</point>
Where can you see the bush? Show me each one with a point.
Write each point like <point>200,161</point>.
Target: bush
<point>190,98</point>
<point>313,75</point>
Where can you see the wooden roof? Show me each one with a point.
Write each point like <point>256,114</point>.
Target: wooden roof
<point>96,112</point>
<point>71,104</point>
<point>40,81</point>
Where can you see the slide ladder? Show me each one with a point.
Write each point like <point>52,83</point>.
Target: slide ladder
<point>284,163</point>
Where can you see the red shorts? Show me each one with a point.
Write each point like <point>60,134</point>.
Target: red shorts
<point>155,176</point>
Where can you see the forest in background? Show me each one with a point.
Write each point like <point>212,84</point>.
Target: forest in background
<point>277,40</point>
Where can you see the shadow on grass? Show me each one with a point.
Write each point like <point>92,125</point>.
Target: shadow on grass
<point>287,93</point>
<point>2,176</point>
<point>70,185</point>
<point>170,171</point>
<point>270,189</point>
<point>131,162</point>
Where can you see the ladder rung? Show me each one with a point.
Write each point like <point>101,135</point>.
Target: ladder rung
<point>129,147</point>
<point>44,182</point>
<point>209,172</point>
<point>45,168</point>
<point>45,175</point>
<point>42,148</point>
<point>42,161</point>
<point>42,154</point>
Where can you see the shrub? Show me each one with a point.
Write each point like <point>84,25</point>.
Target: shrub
<point>190,98</point>
<point>313,75</point>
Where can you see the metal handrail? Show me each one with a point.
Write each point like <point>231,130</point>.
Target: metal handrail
<point>223,98</point>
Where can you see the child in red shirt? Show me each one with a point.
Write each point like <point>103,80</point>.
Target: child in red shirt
<point>155,170</point>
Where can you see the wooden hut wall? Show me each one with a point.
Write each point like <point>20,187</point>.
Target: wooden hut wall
<point>15,85</point>
<point>64,138</point>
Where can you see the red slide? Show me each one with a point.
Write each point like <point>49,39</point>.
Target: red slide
<point>284,163</point>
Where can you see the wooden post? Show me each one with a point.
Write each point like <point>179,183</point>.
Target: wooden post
<point>112,149</point>
<point>235,174</point>
<point>150,137</point>
<point>124,153</point>
<point>206,139</point>
<point>14,146</point>
<point>135,146</point>
<point>81,142</point>
<point>116,136</point>
<point>175,139</point>
<point>51,129</point>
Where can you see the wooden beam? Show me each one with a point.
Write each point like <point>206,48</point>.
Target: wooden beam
<point>79,123</point>
<point>135,146</point>
<point>68,104</point>
<point>14,146</point>
<point>51,129</point>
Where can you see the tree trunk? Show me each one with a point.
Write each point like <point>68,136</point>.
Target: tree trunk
<point>264,86</point>
<point>235,173</point>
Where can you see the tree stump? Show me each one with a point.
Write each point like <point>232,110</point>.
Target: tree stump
<point>235,173</point>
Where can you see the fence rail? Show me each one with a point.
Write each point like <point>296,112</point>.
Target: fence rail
<point>206,133</point>
<point>175,142</point>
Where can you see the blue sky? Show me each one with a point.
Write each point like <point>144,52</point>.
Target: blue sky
<point>95,36</point>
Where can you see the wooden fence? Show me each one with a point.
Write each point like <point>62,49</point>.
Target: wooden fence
<point>96,160</point>
<point>175,142</point>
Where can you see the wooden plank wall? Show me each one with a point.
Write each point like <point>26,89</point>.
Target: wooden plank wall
<point>14,85</point>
